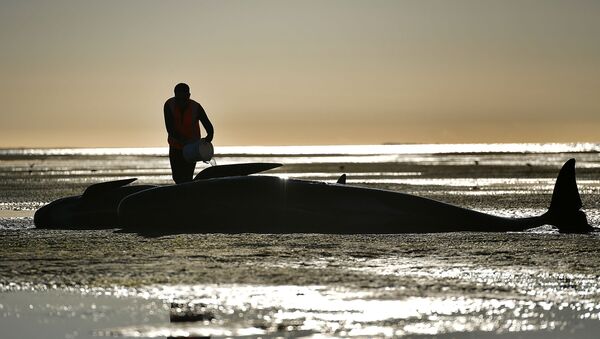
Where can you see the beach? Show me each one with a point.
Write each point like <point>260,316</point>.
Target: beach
<point>88,284</point>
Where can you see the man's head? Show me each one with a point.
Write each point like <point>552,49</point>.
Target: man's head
<point>182,91</point>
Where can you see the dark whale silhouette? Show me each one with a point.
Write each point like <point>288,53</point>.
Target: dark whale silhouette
<point>96,208</point>
<point>267,204</point>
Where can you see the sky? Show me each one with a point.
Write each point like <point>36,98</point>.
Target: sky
<point>97,73</point>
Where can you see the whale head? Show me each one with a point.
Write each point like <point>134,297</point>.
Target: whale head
<point>58,213</point>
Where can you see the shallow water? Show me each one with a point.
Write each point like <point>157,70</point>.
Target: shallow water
<point>532,284</point>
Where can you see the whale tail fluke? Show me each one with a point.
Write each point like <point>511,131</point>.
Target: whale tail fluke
<point>564,211</point>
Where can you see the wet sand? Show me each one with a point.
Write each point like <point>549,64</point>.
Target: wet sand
<point>534,284</point>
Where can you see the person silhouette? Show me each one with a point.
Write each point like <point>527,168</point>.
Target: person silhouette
<point>182,115</point>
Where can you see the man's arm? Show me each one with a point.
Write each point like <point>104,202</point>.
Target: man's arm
<point>169,124</point>
<point>206,124</point>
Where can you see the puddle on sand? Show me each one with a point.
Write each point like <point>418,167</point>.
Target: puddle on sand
<point>72,314</point>
<point>273,311</point>
<point>358,313</point>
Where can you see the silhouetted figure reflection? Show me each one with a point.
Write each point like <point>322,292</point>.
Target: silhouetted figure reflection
<point>182,115</point>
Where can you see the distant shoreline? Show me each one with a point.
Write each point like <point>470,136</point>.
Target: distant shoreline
<point>381,149</point>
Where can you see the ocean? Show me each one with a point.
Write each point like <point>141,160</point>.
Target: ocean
<point>90,284</point>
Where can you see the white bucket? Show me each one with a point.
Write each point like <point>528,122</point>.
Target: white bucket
<point>200,150</point>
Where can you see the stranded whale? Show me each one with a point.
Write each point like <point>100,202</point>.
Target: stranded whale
<point>224,199</point>
<point>96,208</point>
<point>267,204</point>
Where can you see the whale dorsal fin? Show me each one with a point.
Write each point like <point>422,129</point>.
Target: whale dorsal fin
<point>221,171</point>
<point>103,187</point>
<point>342,179</point>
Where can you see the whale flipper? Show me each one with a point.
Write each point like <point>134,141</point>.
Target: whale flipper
<point>103,187</point>
<point>342,179</point>
<point>234,170</point>
<point>564,211</point>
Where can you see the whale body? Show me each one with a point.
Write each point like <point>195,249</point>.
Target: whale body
<point>266,204</point>
<point>96,208</point>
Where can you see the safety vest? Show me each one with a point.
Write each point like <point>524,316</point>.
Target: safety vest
<point>185,122</point>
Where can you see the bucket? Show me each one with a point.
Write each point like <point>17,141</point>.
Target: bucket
<point>200,150</point>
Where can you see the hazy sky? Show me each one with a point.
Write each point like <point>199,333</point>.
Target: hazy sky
<point>96,73</point>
